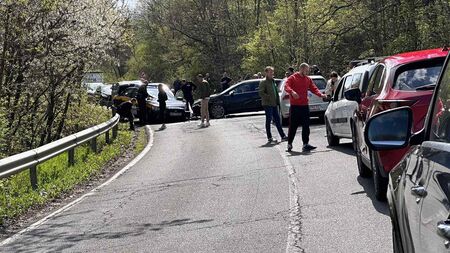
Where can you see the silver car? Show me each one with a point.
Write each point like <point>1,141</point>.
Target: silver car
<point>317,106</point>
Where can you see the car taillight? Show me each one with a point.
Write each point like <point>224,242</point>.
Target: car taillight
<point>286,97</point>
<point>391,104</point>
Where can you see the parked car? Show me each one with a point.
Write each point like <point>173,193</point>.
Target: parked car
<point>93,89</point>
<point>340,111</point>
<point>241,97</point>
<point>419,186</point>
<point>175,109</point>
<point>317,106</point>
<point>106,95</point>
<point>402,80</point>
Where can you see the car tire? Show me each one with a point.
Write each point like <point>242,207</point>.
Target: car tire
<point>284,121</point>
<point>353,127</point>
<point>363,170</point>
<point>331,138</point>
<point>217,111</point>
<point>380,183</point>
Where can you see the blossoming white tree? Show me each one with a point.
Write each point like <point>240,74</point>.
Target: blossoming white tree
<point>45,47</point>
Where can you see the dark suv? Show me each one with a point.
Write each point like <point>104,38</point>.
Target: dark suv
<point>406,79</point>
<point>419,186</point>
<point>241,97</point>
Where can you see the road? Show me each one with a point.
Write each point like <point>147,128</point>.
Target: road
<point>222,189</point>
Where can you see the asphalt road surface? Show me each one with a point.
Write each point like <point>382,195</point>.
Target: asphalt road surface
<point>222,189</point>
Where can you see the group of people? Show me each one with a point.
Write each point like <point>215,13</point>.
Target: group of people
<point>125,108</point>
<point>297,86</point>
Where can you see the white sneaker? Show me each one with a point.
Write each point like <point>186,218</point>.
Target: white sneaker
<point>202,125</point>
<point>207,124</point>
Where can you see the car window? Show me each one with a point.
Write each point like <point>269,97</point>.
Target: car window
<point>375,82</point>
<point>130,92</point>
<point>338,93</point>
<point>320,83</point>
<point>417,75</point>
<point>348,83</point>
<point>246,87</point>
<point>356,80</point>
<point>440,128</point>
<point>152,90</point>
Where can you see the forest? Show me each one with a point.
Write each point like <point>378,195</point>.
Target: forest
<point>179,38</point>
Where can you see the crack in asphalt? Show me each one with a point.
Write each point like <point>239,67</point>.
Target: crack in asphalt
<point>295,222</point>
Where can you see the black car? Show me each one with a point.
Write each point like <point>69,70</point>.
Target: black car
<point>419,186</point>
<point>241,97</point>
<point>176,109</point>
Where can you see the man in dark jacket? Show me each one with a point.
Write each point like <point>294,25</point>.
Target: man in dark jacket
<point>270,100</point>
<point>142,96</point>
<point>188,88</point>
<point>225,81</point>
<point>124,110</point>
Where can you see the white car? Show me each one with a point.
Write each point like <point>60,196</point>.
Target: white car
<point>317,106</point>
<point>340,111</point>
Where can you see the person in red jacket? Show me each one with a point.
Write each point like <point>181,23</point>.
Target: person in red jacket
<point>297,86</point>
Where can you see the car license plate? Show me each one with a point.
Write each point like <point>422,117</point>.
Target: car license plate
<point>175,114</point>
<point>314,108</point>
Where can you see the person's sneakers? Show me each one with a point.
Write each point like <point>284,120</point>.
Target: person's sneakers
<point>207,124</point>
<point>285,138</point>
<point>271,140</point>
<point>289,148</point>
<point>308,147</point>
<point>202,125</point>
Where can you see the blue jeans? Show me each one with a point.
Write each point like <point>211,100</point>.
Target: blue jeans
<point>272,113</point>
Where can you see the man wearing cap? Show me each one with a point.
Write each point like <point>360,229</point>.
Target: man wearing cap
<point>297,87</point>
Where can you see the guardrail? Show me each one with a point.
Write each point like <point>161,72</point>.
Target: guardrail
<point>30,159</point>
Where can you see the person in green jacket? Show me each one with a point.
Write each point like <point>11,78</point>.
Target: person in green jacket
<point>270,100</point>
<point>204,92</point>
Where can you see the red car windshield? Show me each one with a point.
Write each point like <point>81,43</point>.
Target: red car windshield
<point>418,76</point>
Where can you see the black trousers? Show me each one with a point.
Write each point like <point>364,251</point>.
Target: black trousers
<point>142,113</point>
<point>299,115</point>
<point>162,113</point>
<point>130,117</point>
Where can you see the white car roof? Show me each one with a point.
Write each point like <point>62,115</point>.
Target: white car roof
<point>137,82</point>
<point>360,69</point>
<point>316,77</point>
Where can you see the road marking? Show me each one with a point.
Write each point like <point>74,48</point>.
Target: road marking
<point>295,223</point>
<point>295,215</point>
<point>90,193</point>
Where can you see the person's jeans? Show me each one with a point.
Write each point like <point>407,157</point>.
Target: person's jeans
<point>272,113</point>
<point>205,110</point>
<point>299,115</point>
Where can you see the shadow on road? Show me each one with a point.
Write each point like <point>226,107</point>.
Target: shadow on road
<point>52,239</point>
<point>367,184</point>
<point>346,148</point>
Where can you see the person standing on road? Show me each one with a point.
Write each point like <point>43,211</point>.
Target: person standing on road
<point>162,98</point>
<point>188,88</point>
<point>225,81</point>
<point>124,110</point>
<point>204,92</point>
<point>142,96</point>
<point>176,86</point>
<point>270,101</point>
<point>297,87</point>
<point>332,84</point>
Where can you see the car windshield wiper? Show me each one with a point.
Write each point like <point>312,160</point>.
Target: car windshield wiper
<point>427,87</point>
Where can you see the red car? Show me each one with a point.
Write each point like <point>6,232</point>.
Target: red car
<point>406,79</point>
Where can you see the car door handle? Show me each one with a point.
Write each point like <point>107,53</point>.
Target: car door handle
<point>419,191</point>
<point>443,228</point>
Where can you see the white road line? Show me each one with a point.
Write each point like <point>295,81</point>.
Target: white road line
<point>92,192</point>
<point>295,223</point>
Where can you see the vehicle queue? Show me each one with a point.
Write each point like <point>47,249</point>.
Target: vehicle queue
<point>396,111</point>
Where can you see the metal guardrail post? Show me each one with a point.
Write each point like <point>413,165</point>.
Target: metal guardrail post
<point>71,155</point>
<point>108,141</point>
<point>94,144</point>
<point>114,131</point>
<point>33,178</point>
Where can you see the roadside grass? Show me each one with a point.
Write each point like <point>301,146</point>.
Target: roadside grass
<point>56,177</point>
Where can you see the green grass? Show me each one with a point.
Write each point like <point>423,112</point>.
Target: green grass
<point>55,177</point>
